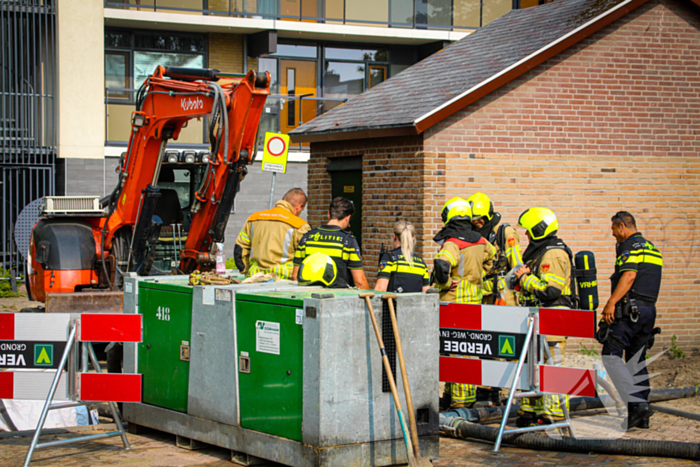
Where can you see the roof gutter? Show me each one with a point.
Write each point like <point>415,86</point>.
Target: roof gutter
<point>408,130</point>
<point>526,64</point>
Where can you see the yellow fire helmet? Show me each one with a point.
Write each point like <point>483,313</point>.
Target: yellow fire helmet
<point>318,269</point>
<point>539,222</point>
<point>456,208</point>
<point>481,206</point>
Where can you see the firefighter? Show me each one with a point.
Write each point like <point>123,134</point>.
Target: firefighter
<point>269,238</point>
<point>400,270</point>
<point>635,285</point>
<point>337,242</point>
<point>545,280</point>
<point>507,243</point>
<point>458,271</point>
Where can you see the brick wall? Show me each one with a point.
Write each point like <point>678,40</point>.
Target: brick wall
<point>610,124</point>
<point>226,53</point>
<point>399,181</point>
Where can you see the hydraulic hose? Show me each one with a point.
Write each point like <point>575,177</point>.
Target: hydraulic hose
<point>634,447</point>
<point>676,412</point>
<point>576,404</point>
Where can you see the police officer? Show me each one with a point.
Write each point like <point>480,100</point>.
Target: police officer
<point>269,238</point>
<point>335,241</point>
<point>400,270</point>
<point>507,244</point>
<point>635,285</point>
<point>320,269</point>
<point>545,280</point>
<point>458,270</point>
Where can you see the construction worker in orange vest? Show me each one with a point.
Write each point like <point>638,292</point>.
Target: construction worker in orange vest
<point>269,239</point>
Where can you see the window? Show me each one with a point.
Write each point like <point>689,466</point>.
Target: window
<point>494,9</point>
<point>145,63</point>
<point>132,56</point>
<point>343,80</point>
<point>301,51</point>
<point>357,54</point>
<point>467,13</point>
<point>117,74</point>
<point>434,12</point>
<point>401,12</point>
<point>377,74</point>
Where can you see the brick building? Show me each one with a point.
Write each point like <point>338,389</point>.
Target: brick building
<point>584,106</point>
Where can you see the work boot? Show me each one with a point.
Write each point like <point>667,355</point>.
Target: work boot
<point>526,419</point>
<point>638,413</point>
<point>644,424</point>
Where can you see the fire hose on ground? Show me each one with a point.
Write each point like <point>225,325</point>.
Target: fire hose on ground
<point>459,424</point>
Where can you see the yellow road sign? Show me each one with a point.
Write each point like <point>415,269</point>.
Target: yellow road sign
<point>275,153</point>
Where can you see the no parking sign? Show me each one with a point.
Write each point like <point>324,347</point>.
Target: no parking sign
<point>275,154</point>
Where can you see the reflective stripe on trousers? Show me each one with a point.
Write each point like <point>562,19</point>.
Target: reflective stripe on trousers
<point>283,271</point>
<point>550,404</point>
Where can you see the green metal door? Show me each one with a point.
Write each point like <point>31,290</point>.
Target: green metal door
<point>167,325</point>
<point>270,334</point>
<point>348,184</point>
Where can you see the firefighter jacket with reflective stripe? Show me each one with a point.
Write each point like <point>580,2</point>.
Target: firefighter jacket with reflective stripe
<point>341,245</point>
<point>403,277</point>
<point>508,253</point>
<point>549,282</point>
<point>466,263</point>
<point>639,255</point>
<point>269,239</point>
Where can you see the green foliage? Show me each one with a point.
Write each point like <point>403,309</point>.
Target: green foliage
<point>674,351</point>
<point>5,287</point>
<point>230,264</point>
<point>583,350</point>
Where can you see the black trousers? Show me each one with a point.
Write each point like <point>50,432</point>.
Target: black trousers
<point>631,378</point>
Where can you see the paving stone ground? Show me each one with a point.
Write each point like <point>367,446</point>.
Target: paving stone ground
<point>158,449</point>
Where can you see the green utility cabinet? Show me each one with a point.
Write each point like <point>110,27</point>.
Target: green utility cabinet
<point>270,354</point>
<point>163,356</point>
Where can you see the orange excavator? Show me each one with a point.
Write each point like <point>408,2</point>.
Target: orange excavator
<point>163,199</point>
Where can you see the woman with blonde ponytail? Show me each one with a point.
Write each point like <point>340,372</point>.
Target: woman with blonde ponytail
<point>400,270</point>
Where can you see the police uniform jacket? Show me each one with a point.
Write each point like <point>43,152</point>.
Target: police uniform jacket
<point>639,255</point>
<point>341,245</point>
<point>403,277</point>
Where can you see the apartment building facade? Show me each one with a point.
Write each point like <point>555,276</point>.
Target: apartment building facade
<point>319,53</point>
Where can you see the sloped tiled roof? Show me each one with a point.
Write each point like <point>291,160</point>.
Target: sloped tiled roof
<point>410,102</point>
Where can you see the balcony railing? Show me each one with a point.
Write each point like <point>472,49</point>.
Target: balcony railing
<point>450,15</point>
<point>277,106</point>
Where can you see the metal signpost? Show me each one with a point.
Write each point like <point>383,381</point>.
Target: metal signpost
<point>49,342</point>
<point>490,331</point>
<point>275,157</point>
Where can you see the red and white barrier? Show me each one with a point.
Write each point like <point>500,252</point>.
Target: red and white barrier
<point>34,327</point>
<point>513,319</point>
<point>40,336</point>
<point>30,385</point>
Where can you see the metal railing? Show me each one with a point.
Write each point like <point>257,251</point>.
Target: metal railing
<point>27,117</point>
<point>271,9</point>
<point>270,120</point>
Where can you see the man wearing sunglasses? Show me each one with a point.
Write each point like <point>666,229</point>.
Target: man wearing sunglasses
<point>630,314</point>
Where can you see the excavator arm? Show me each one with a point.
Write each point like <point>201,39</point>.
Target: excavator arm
<point>165,103</point>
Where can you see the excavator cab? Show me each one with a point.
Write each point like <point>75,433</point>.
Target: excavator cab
<point>178,181</point>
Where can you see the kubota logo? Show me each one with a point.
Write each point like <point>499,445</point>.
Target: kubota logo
<point>191,104</point>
